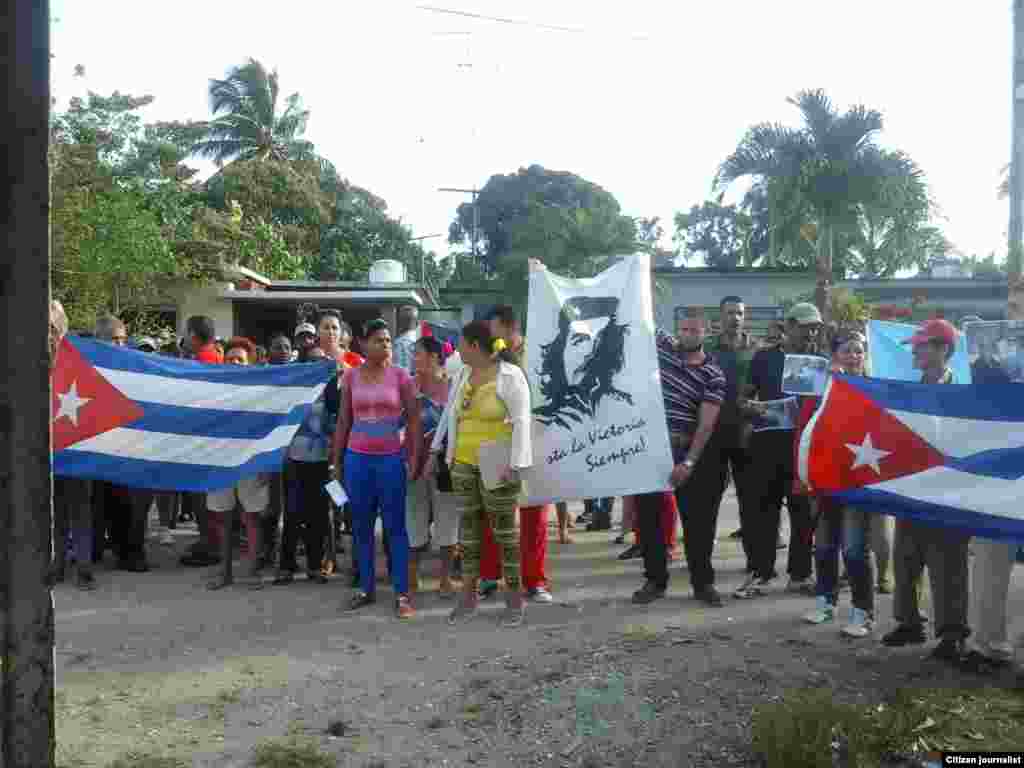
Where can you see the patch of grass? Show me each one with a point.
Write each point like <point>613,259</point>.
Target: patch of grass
<point>108,717</point>
<point>638,632</point>
<point>291,753</point>
<point>137,760</point>
<point>799,732</point>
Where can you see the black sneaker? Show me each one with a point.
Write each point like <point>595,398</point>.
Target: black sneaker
<point>905,634</point>
<point>648,593</point>
<point>361,600</point>
<point>632,553</point>
<point>949,649</point>
<point>709,596</point>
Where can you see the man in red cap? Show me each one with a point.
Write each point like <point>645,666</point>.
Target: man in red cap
<point>942,550</point>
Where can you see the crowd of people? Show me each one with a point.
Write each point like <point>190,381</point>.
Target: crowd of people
<point>402,427</point>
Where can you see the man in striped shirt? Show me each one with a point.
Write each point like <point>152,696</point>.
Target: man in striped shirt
<point>694,389</point>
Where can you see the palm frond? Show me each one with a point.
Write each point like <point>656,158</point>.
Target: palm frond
<point>221,150</point>
<point>851,133</point>
<point>818,112</point>
<point>759,153</point>
<point>293,121</point>
<point>258,87</point>
<point>225,96</point>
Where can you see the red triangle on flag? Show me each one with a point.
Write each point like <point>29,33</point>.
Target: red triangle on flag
<point>83,403</point>
<point>855,442</point>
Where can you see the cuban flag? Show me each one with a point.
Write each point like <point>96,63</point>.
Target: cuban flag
<point>949,455</point>
<point>145,421</point>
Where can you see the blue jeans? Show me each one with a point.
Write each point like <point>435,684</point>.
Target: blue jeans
<point>378,483</point>
<point>849,529</point>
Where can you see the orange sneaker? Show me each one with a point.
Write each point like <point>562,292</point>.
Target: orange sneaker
<point>403,607</point>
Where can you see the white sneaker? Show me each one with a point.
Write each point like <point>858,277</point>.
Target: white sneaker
<point>540,595</point>
<point>860,624</point>
<point>745,589</point>
<point>823,612</point>
<point>754,587</point>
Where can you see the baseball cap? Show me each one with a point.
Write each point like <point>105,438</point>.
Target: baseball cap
<point>935,329</point>
<point>804,313</point>
<point>305,328</point>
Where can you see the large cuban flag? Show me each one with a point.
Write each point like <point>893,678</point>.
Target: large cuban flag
<point>146,421</point>
<point>949,455</point>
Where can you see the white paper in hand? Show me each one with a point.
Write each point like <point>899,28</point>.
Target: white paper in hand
<point>337,493</point>
<point>495,460</point>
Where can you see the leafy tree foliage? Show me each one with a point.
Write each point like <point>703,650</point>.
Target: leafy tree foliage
<point>557,216</point>
<point>865,209</point>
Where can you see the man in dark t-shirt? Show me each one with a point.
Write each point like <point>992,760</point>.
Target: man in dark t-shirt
<point>772,469</point>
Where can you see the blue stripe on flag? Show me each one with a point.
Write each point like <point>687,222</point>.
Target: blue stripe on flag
<point>1006,463</point>
<point>203,422</point>
<point>966,522</point>
<point>118,358</point>
<point>162,475</point>
<point>983,402</point>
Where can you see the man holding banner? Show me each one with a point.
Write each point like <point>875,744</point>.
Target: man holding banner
<point>694,390</point>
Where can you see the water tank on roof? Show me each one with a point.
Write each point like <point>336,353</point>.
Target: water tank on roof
<point>387,271</point>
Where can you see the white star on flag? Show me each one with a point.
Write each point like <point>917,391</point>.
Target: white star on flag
<point>866,455</point>
<point>71,403</point>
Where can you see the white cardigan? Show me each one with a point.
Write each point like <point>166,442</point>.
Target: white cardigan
<point>514,391</point>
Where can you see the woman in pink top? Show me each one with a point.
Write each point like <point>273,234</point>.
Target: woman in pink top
<point>374,398</point>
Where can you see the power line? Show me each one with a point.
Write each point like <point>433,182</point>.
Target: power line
<point>515,22</point>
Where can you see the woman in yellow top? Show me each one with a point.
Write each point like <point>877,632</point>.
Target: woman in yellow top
<point>489,403</point>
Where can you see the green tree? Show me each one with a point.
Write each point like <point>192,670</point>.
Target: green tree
<point>565,219</point>
<point>824,174</point>
<point>248,122</point>
<point>716,232</point>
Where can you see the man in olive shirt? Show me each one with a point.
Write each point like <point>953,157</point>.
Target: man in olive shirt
<point>732,351</point>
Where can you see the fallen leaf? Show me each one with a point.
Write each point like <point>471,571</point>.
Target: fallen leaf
<point>975,736</point>
<point>928,723</point>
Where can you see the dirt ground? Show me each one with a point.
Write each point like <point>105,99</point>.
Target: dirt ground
<point>154,665</point>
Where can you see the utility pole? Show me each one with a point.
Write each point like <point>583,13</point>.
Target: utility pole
<point>476,215</point>
<point>26,497</point>
<point>423,255</point>
<point>1015,250</point>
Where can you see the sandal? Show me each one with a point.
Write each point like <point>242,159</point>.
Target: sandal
<point>461,613</point>
<point>447,591</point>
<point>513,617</point>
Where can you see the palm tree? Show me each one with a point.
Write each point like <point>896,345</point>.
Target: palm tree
<point>247,124</point>
<point>820,173</point>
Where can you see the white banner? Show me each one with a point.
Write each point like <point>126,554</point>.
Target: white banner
<point>599,418</point>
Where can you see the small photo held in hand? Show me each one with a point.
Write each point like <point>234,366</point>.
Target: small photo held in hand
<point>774,414</point>
<point>804,375</point>
<point>995,350</point>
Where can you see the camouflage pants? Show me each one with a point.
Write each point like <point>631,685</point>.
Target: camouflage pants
<point>480,507</point>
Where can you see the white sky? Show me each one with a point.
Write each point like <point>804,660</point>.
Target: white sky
<point>646,102</point>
